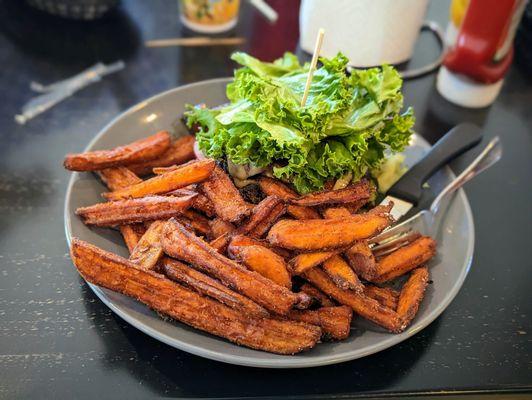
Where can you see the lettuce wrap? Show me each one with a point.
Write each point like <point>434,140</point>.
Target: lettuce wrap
<point>350,122</point>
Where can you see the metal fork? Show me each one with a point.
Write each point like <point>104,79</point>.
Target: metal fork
<point>427,222</point>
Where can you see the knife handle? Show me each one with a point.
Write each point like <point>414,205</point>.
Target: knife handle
<point>455,142</point>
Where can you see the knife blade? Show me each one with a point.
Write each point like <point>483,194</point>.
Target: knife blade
<point>407,191</point>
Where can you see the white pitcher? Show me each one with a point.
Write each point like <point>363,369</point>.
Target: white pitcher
<point>368,32</point>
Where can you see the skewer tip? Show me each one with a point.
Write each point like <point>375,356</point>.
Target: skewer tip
<point>313,63</point>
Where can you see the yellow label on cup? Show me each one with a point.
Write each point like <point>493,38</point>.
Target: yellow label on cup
<point>209,12</point>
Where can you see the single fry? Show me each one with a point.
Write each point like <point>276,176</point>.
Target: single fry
<point>186,223</point>
<point>192,173</point>
<point>260,259</point>
<point>300,212</point>
<point>262,217</point>
<point>242,240</point>
<point>405,259</point>
<point>274,187</point>
<point>345,209</point>
<point>355,206</point>
<point>227,201</point>
<point>165,170</point>
<point>326,234</point>
<point>335,322</point>
<point>149,250</point>
<point>305,261</point>
<point>124,212</point>
<point>161,294</point>
<point>199,222</point>
<point>336,212</point>
<point>360,303</point>
<point>361,260</point>
<point>171,168</point>
<point>412,294</point>
<point>219,227</point>
<point>381,209</point>
<point>184,191</point>
<point>179,243</point>
<point>200,201</point>
<point>140,150</point>
<point>388,297</point>
<point>204,284</point>
<point>341,274</point>
<point>286,254</point>
<point>180,151</point>
<point>203,204</point>
<point>263,226</point>
<point>221,242</point>
<point>118,177</point>
<point>132,234</point>
<point>317,295</point>
<point>360,191</point>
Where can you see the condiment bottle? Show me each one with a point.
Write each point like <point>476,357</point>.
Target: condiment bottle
<point>473,69</point>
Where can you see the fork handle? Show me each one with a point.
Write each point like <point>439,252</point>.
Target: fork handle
<point>455,142</point>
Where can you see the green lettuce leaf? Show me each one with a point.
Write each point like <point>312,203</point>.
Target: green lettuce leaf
<point>348,124</point>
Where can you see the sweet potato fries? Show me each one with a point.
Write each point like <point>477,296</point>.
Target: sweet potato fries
<point>143,149</point>
<point>193,172</point>
<point>122,212</point>
<point>360,192</point>
<point>326,234</point>
<point>179,152</point>
<point>180,243</point>
<point>273,271</point>
<point>228,203</point>
<point>184,274</point>
<point>185,305</point>
<point>149,250</point>
<point>259,258</point>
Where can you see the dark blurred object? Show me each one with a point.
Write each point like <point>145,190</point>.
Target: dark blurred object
<point>265,37</point>
<point>75,9</point>
<point>523,40</point>
<point>74,43</point>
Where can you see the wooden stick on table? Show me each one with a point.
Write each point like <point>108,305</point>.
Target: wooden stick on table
<point>196,41</point>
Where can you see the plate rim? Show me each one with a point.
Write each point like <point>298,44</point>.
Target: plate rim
<point>283,361</point>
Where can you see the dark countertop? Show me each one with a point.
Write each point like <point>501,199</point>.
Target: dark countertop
<point>57,340</point>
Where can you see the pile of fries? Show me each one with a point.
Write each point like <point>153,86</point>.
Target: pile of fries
<point>279,275</point>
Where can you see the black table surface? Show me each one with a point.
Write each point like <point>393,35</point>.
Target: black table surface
<point>57,339</point>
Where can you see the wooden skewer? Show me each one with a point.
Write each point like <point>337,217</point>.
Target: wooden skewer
<point>196,41</point>
<point>313,63</point>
